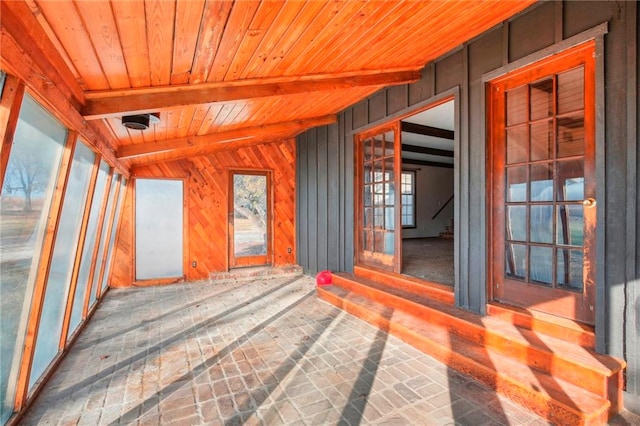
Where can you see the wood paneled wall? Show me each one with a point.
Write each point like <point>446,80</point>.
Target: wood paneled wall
<point>536,31</point>
<point>207,189</point>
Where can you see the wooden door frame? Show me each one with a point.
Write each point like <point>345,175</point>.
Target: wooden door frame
<point>249,260</point>
<point>580,54</point>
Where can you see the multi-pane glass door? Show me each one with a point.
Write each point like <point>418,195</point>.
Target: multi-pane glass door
<point>250,218</point>
<point>378,209</point>
<point>544,192</point>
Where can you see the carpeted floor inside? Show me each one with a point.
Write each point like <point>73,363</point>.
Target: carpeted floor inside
<point>430,259</point>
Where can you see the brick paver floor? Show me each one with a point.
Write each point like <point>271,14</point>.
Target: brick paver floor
<point>266,352</point>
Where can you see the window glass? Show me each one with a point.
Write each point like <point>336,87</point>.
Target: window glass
<point>103,239</point>
<point>89,247</point>
<point>408,199</point>
<point>62,261</point>
<point>27,191</point>
<point>158,207</point>
<point>114,231</point>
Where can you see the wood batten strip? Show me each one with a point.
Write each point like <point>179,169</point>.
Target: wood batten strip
<point>225,140</point>
<point>9,111</point>
<point>102,104</point>
<point>42,275</point>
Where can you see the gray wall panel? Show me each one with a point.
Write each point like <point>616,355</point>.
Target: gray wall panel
<point>485,54</point>
<point>449,72</point>
<point>378,106</point>
<point>360,115</point>
<point>425,87</point>
<point>397,99</point>
<point>532,31</point>
<point>582,15</point>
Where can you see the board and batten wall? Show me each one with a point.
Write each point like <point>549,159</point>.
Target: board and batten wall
<point>325,169</point>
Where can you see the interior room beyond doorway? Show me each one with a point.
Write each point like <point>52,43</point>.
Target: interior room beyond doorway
<point>428,194</point>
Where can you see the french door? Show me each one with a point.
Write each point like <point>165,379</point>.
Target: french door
<point>249,218</point>
<point>378,211</point>
<point>543,215</point>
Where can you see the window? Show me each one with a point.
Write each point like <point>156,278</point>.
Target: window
<point>89,247</point>
<point>27,191</point>
<point>62,261</point>
<point>408,184</point>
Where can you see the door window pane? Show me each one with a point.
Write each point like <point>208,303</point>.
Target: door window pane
<point>541,182</point>
<point>541,94</point>
<point>159,228</point>
<point>517,144</point>
<point>516,184</point>
<point>541,224</point>
<point>571,180</point>
<point>571,90</point>
<point>570,225</point>
<point>517,223</point>
<point>570,269</point>
<point>541,265</point>
<point>30,179</point>
<point>517,106</point>
<point>570,136</point>
<point>62,261</point>
<point>89,247</point>
<point>250,215</point>
<point>542,140</point>
<point>516,261</point>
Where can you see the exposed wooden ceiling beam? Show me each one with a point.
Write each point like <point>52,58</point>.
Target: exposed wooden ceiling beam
<point>224,140</point>
<point>420,129</point>
<point>426,150</point>
<point>426,163</point>
<point>101,104</point>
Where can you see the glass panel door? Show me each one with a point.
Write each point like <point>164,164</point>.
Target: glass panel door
<point>379,204</point>
<point>249,219</point>
<point>544,215</point>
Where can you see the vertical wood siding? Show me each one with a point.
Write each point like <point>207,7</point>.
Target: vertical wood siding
<point>207,186</point>
<point>618,307</point>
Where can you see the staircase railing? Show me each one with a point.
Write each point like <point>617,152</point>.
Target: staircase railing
<point>443,206</point>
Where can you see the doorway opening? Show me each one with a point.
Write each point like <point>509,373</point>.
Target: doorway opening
<point>405,214</point>
<point>427,184</point>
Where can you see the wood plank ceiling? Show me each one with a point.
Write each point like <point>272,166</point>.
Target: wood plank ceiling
<point>232,73</point>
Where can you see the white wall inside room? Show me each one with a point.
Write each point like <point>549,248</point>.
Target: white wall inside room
<point>434,186</point>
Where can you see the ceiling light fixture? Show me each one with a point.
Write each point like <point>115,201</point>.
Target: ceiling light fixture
<point>140,121</point>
